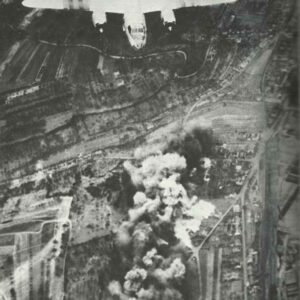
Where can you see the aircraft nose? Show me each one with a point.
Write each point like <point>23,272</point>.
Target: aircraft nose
<point>139,46</point>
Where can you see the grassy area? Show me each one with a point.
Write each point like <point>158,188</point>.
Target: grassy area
<point>8,240</point>
<point>22,227</point>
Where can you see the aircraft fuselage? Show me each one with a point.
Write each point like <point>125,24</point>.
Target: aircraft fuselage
<point>135,26</point>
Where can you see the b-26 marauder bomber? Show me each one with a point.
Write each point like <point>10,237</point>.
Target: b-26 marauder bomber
<point>133,11</point>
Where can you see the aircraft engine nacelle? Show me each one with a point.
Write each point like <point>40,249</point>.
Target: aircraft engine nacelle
<point>99,18</point>
<point>168,16</point>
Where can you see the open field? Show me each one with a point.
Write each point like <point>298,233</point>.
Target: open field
<point>23,227</point>
<point>38,252</point>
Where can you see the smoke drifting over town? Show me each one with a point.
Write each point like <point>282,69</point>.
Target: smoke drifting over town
<point>160,204</point>
<point>193,145</point>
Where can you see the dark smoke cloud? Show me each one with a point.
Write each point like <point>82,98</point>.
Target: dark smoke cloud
<point>155,240</point>
<point>193,146</point>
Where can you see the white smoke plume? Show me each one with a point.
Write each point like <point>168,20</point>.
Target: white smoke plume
<point>163,200</point>
<point>149,294</point>
<point>200,210</point>
<point>139,199</point>
<point>123,236</point>
<point>182,232</point>
<point>175,271</point>
<point>154,168</point>
<point>115,289</point>
<point>161,242</point>
<point>142,205</point>
<point>153,294</point>
<point>195,213</point>
<point>141,237</point>
<point>205,162</point>
<point>151,257</point>
<point>173,192</point>
<point>134,279</point>
<point>161,172</point>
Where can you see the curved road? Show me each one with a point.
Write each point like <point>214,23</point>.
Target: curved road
<point>182,52</point>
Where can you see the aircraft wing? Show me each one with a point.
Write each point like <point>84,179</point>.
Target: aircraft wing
<point>110,6</point>
<point>161,5</point>
<point>51,4</point>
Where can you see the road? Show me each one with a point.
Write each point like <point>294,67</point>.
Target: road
<point>182,52</point>
<point>202,65</point>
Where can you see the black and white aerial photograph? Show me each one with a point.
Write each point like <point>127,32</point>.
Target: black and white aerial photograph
<point>149,150</point>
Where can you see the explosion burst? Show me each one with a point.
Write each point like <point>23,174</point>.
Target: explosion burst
<point>162,201</point>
